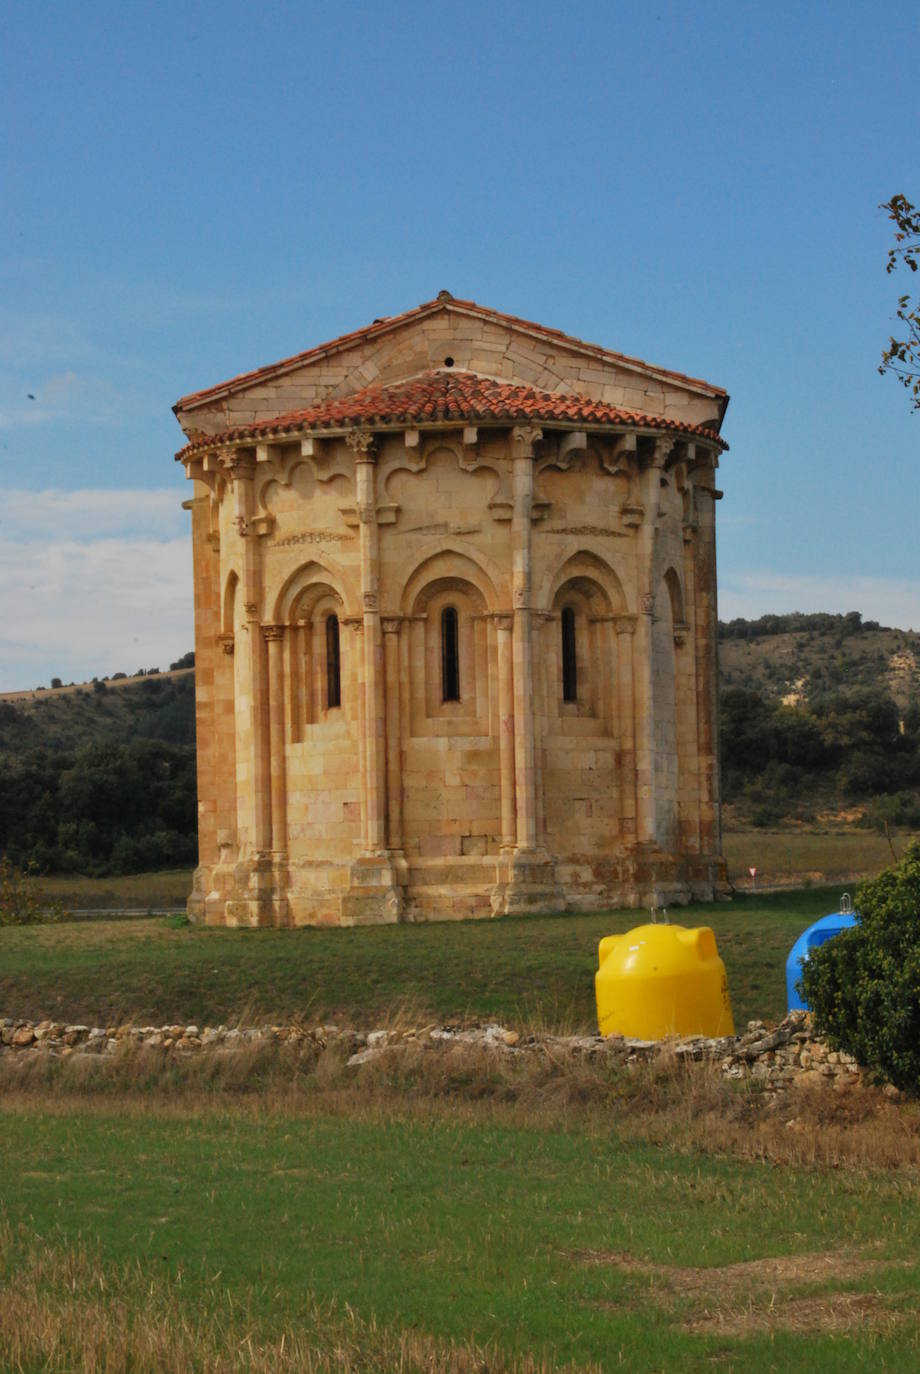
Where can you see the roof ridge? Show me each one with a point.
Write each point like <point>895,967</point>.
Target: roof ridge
<point>388,322</point>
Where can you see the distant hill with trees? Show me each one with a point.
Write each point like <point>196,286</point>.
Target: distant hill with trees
<point>820,723</point>
<point>99,778</point>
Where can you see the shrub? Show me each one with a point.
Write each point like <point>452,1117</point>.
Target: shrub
<point>22,901</point>
<point>864,985</point>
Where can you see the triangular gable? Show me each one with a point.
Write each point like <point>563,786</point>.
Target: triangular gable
<point>443,333</point>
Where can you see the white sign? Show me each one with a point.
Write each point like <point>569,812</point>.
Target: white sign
<point>753,872</point>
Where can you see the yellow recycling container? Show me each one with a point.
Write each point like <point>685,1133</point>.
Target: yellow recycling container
<point>662,980</point>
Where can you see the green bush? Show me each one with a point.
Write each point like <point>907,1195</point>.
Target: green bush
<point>22,902</point>
<point>864,985</point>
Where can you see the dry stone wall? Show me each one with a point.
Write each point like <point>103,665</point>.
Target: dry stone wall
<point>787,1056</point>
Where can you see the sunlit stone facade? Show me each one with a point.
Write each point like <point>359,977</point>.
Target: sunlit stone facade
<point>455,607</point>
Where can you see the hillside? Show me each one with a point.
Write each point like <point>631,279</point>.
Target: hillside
<point>99,778</point>
<point>796,658</point>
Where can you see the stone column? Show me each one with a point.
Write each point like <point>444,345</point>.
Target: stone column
<point>625,626</point>
<point>375,892</point>
<point>274,637</point>
<point>373,798</point>
<point>707,673</point>
<point>523,439</point>
<point>255,743</point>
<point>526,876</point>
<point>503,625</point>
<point>391,641</point>
<point>647,582</point>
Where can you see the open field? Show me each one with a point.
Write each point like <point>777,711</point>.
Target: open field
<point>362,1228</point>
<point>789,858</point>
<point>523,970</point>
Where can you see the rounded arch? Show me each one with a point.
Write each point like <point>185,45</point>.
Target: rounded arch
<point>675,595</point>
<point>437,569</point>
<point>591,576</point>
<point>307,584</point>
<point>228,606</point>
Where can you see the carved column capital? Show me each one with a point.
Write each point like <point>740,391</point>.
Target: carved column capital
<point>662,450</point>
<point>625,624</point>
<point>391,624</point>
<point>363,444</point>
<point>238,463</point>
<point>270,632</point>
<point>226,642</point>
<point>503,621</point>
<point>523,439</point>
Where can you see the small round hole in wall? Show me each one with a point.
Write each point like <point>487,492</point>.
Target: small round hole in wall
<point>448,362</point>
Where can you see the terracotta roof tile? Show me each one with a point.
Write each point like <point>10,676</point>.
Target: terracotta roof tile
<point>449,396</point>
<point>445,303</point>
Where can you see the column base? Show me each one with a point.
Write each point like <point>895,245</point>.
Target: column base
<point>526,882</point>
<point>376,891</point>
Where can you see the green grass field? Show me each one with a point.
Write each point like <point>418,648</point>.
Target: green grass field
<point>565,1241</point>
<point>530,970</point>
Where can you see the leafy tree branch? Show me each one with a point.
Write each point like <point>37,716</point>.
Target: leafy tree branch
<point>902,356</point>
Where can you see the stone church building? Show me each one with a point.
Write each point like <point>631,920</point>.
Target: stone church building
<point>455,627</point>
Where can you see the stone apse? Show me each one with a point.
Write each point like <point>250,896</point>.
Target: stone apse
<point>455,627</point>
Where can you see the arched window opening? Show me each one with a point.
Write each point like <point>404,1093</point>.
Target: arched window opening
<point>569,658</point>
<point>450,655</point>
<point>333,663</point>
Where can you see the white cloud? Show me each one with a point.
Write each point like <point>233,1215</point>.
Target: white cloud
<point>95,583</point>
<point>88,515</point>
<point>890,601</point>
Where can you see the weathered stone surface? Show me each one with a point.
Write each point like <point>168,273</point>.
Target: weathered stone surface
<point>563,753</point>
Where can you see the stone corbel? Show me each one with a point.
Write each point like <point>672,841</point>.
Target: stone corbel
<point>470,436</point>
<point>623,455</point>
<point>540,510</point>
<point>262,525</point>
<point>387,513</point>
<point>350,516</point>
<point>681,630</point>
<point>633,516</point>
<point>501,510</point>
<point>576,441</point>
<point>354,622</point>
<point>226,642</point>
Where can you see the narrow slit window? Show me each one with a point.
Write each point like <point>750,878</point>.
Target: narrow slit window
<point>569,659</point>
<point>450,655</point>
<point>333,663</point>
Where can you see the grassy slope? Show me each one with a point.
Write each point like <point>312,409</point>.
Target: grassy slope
<point>777,664</point>
<point>525,970</point>
<point>567,1239</point>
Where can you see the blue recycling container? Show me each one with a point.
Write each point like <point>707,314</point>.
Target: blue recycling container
<point>810,939</point>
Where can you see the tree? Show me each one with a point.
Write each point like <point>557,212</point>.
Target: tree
<point>902,356</point>
<point>864,985</point>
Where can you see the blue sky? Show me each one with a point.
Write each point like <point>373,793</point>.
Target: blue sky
<point>193,190</point>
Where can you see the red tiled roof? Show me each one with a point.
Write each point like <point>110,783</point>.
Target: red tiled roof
<point>444,302</point>
<point>449,396</point>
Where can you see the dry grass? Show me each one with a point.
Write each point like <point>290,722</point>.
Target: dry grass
<point>773,1294</point>
<point>62,1309</point>
<point>667,1101</point>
